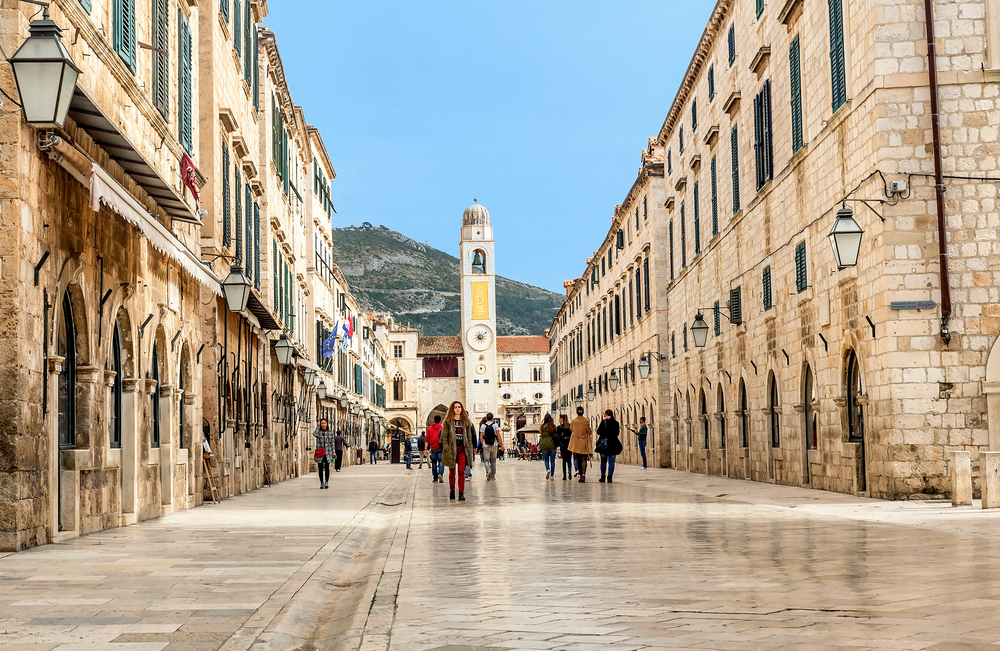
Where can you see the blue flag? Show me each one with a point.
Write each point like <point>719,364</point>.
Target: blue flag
<point>330,344</point>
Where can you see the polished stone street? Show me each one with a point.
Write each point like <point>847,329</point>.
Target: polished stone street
<point>383,560</point>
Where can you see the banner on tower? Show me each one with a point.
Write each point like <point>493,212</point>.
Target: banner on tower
<point>480,300</point>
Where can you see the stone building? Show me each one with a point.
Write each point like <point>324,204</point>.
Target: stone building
<point>503,375</point>
<point>793,116</point>
<point>613,323</point>
<point>121,361</point>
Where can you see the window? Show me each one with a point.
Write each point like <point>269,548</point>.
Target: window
<point>697,220</point>
<point>537,374</point>
<point>855,415</point>
<point>670,232</point>
<point>478,262</point>
<point>638,293</point>
<point>711,83</point>
<point>248,27</point>
<point>795,73</point>
<point>637,217</point>
<point>673,344</point>
<point>645,282</point>
<point>223,10</point>
<point>684,258</point>
<point>398,393</point>
<point>66,348</point>
<point>744,417</point>
<point>631,303</point>
<point>115,408</point>
<point>735,141</point>
<point>685,336</point>
<point>397,350</point>
<point>810,422</point>
<point>762,135</point>
<point>238,213</point>
<point>123,28</point>
<point>161,69</point>
<point>506,372</point>
<point>774,410</point>
<point>838,75</point>
<point>670,161</point>
<point>256,245</point>
<point>760,8</point>
<point>87,6</point>
<point>736,306</point>
<point>703,417</point>
<point>618,316</point>
<point>766,288</point>
<point>645,208</point>
<point>801,274</point>
<point>721,405</point>
<point>248,204</point>
<point>694,115</point>
<point>732,44</point>
<point>154,402</point>
<point>227,235</point>
<point>185,120</point>
<point>715,200</point>
<point>680,139</point>
<point>716,315</point>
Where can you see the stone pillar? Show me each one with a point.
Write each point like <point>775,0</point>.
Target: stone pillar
<point>989,479</point>
<point>131,403</point>
<point>55,364</point>
<point>961,478</point>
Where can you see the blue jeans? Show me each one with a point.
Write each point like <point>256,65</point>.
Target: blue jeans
<point>608,464</point>
<point>437,466</point>
<point>372,458</point>
<point>408,458</point>
<point>642,451</point>
<point>549,457</point>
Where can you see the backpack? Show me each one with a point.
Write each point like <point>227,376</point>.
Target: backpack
<point>489,435</point>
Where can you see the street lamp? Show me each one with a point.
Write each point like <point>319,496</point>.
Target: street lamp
<point>45,74</point>
<point>644,367</point>
<point>236,287</point>
<point>284,348</point>
<point>591,392</point>
<point>321,389</point>
<point>699,330</point>
<point>310,376</point>
<point>343,402</point>
<point>845,238</point>
<point>613,380</point>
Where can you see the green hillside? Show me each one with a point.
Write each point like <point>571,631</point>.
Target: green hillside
<point>418,284</point>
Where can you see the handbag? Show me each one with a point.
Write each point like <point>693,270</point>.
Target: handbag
<point>320,452</point>
<point>602,446</point>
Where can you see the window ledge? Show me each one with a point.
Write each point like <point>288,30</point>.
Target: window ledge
<point>805,295</point>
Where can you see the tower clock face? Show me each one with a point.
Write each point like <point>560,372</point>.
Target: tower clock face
<point>480,337</point>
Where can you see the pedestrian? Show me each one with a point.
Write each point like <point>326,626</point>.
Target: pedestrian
<point>458,445</point>
<point>372,452</point>
<point>324,451</point>
<point>338,445</point>
<point>489,434</point>
<point>434,445</point>
<point>422,449</point>
<point>548,444</point>
<point>408,451</point>
<point>580,443</point>
<point>640,436</point>
<point>609,446</point>
<point>563,434</point>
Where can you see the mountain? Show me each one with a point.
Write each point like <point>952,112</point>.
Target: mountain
<point>418,285</point>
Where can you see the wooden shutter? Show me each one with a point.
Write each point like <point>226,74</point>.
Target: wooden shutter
<point>717,319</point>
<point>680,139</point>
<point>670,231</point>
<point>161,68</point>
<point>801,275</point>
<point>256,245</point>
<point>247,54</point>
<point>758,138</point>
<point>736,306</point>
<point>760,7</point>
<point>227,236</point>
<point>768,147</point>
<point>795,73</point>
<point>694,115</point>
<point>645,282</point>
<point>238,216</point>
<point>670,161</point>
<point>838,75</point>
<point>735,141</point>
<point>255,86</point>
<point>732,44</point>
<point>237,26</point>
<point>224,10</point>
<point>697,220</point>
<point>684,259</point>
<point>185,116</point>
<point>638,294</point>
<point>766,282</point>
<point>87,6</point>
<point>248,209</point>
<point>715,199</point>
<point>274,273</point>
<point>711,83</point>
<point>123,26</point>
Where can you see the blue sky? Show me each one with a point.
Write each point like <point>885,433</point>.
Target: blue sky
<point>539,108</point>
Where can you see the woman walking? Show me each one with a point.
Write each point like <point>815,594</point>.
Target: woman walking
<point>325,442</point>
<point>608,444</point>
<point>563,434</point>
<point>548,443</point>
<point>580,443</point>
<point>458,438</point>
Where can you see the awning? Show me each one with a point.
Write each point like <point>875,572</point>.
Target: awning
<point>259,310</point>
<point>89,118</point>
<point>305,363</point>
<point>104,189</point>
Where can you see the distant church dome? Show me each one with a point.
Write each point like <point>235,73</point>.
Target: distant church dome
<point>476,215</point>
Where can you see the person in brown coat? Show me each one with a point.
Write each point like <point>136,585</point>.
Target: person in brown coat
<point>458,445</point>
<point>580,442</point>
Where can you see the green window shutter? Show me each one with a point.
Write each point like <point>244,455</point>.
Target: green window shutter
<point>224,10</point>
<point>715,200</point>
<point>716,317</point>
<point>638,294</point>
<point>256,245</point>
<point>684,259</point>
<point>697,220</point>
<point>685,336</point>
<point>732,44</point>
<point>123,26</point>
<point>735,141</point>
<point>255,86</point>
<point>694,115</point>
<point>274,273</point>
<point>645,282</point>
<point>766,282</point>
<point>161,68</point>
<point>711,83</point>
<point>227,236</point>
<point>185,84</point>
<point>248,53</point>
<point>670,231</point>
<point>760,8</point>
<point>795,73</point>
<point>838,74</point>
<point>248,209</point>
<point>680,139</point>
<point>762,135</point>
<point>284,159</point>
<point>87,6</point>
<point>238,216</point>
<point>736,306</point>
<point>670,161</point>
<point>801,274</point>
<point>237,25</point>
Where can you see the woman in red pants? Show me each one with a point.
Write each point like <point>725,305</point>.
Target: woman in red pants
<point>458,444</point>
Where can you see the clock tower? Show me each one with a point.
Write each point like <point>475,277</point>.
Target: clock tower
<point>479,319</point>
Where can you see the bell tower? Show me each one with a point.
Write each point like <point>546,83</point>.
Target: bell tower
<point>479,319</point>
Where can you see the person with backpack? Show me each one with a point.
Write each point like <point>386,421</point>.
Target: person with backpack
<point>434,445</point>
<point>547,444</point>
<point>490,436</point>
<point>408,452</point>
<point>609,446</point>
<point>563,434</point>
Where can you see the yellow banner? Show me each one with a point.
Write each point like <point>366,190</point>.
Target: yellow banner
<point>480,300</point>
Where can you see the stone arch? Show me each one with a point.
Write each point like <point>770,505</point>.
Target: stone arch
<point>185,384</point>
<point>127,339</point>
<point>480,262</point>
<point>440,410</point>
<point>853,404</point>
<point>991,387</point>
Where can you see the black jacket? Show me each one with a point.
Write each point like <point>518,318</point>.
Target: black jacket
<point>608,429</point>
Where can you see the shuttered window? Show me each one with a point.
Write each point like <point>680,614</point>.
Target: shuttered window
<point>697,220</point>
<point>685,336</point>
<point>255,86</point>
<point>670,231</point>
<point>224,10</point>
<point>694,115</point>
<point>766,289</point>
<point>735,141</point>
<point>670,161</point>
<point>801,274</point>
<point>358,379</point>
<point>838,74</point>
<point>274,273</point>
<point>638,293</point>
<point>673,344</point>
<point>237,26</point>
<point>645,282</point>
<point>238,215</point>
<point>717,319</point>
<point>760,8</point>
<point>185,85</point>
<point>161,67</point>
<point>763,150</point>
<point>123,28</point>
<point>256,245</point>
<point>227,235</point>
<point>795,74</point>
<point>684,259</point>
<point>87,6</point>
<point>715,199</point>
<point>248,210</point>
<point>736,305</point>
<point>732,44</point>
<point>711,83</point>
<point>680,139</point>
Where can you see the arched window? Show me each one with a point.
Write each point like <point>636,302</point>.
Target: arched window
<point>154,403</point>
<point>773,410</point>
<point>398,388</point>
<point>478,262</point>
<point>66,348</point>
<point>810,422</point>
<point>855,415</point>
<point>722,418</point>
<point>687,399</point>
<point>703,413</point>
<point>744,416</point>
<point>115,416</point>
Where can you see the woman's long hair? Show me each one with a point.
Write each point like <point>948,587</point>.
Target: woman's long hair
<point>608,412</point>
<point>449,422</point>
<point>563,420</point>
<point>548,420</point>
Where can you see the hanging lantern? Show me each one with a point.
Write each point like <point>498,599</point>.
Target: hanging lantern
<point>309,374</point>
<point>45,74</point>
<point>591,392</point>
<point>321,389</point>
<point>613,380</point>
<point>845,238</point>
<point>644,367</point>
<point>699,330</point>
<point>283,349</point>
<point>236,287</point>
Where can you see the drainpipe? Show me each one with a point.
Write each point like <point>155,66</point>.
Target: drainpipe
<point>938,178</point>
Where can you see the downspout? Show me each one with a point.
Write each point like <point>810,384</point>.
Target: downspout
<point>939,188</point>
